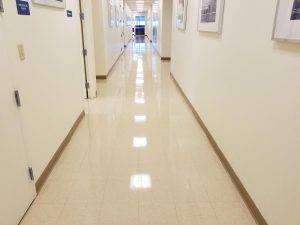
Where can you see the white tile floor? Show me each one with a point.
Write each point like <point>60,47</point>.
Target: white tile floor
<point>139,157</point>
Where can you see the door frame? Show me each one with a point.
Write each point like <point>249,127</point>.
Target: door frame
<point>84,55</point>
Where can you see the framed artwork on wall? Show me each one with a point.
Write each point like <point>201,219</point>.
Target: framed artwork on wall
<point>128,20</point>
<point>111,13</point>
<point>117,16</point>
<point>287,21</point>
<point>53,3</point>
<point>210,15</point>
<point>181,14</point>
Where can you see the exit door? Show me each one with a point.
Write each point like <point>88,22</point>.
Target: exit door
<point>17,190</point>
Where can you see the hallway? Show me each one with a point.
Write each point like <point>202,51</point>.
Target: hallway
<point>139,157</point>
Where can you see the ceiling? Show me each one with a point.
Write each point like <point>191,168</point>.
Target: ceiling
<point>139,6</point>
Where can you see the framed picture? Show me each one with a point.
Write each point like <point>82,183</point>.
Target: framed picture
<point>53,3</point>
<point>287,21</point>
<point>111,13</point>
<point>210,15</point>
<point>117,16</point>
<point>181,14</point>
<point>128,21</point>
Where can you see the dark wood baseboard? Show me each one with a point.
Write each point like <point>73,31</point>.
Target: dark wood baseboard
<point>40,182</point>
<point>104,77</point>
<point>101,77</point>
<point>161,57</point>
<point>235,179</point>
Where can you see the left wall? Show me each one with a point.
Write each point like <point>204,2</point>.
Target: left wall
<point>50,79</point>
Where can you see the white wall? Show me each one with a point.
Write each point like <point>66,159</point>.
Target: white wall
<point>50,80</point>
<point>163,10</point>
<point>128,27</point>
<point>109,42</point>
<point>148,29</point>
<point>98,21</point>
<point>156,24</point>
<point>166,28</point>
<point>246,88</point>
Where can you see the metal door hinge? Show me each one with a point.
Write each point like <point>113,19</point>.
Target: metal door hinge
<point>84,52</point>
<point>17,98</point>
<point>87,85</point>
<point>81,16</point>
<point>30,171</point>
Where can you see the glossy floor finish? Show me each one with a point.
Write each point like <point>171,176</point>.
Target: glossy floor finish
<point>139,157</point>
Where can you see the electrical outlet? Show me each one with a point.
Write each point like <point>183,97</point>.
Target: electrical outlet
<point>21,52</point>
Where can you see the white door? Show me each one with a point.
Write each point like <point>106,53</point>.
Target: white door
<point>17,191</point>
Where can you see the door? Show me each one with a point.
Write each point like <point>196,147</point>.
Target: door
<point>17,191</point>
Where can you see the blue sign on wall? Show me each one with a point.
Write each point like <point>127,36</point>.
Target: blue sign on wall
<point>23,7</point>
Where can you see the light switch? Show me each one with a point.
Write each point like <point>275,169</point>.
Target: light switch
<point>21,52</point>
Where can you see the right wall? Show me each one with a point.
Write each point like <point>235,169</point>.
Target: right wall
<point>246,89</point>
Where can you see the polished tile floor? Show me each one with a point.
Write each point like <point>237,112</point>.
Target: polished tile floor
<point>139,157</point>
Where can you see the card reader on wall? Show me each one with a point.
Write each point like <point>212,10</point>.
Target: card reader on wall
<point>1,6</point>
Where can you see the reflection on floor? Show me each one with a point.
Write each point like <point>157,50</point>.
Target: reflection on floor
<point>139,39</point>
<point>139,157</point>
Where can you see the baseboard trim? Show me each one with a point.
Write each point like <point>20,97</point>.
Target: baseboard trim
<point>161,57</point>
<point>104,77</point>
<point>235,179</point>
<point>40,182</point>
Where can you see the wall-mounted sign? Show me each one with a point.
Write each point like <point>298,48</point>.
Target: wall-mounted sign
<point>23,7</point>
<point>1,6</point>
<point>69,13</point>
<point>54,3</point>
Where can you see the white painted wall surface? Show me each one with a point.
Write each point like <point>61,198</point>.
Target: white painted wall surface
<point>99,43</point>
<point>148,29</point>
<point>109,43</point>
<point>51,77</point>
<point>166,28</point>
<point>246,89</point>
<point>128,27</point>
<point>162,8</point>
<point>112,37</point>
